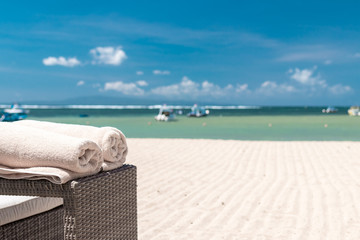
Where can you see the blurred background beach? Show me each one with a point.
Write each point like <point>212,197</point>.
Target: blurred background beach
<point>223,122</point>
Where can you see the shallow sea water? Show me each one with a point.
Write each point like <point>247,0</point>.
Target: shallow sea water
<point>324,127</point>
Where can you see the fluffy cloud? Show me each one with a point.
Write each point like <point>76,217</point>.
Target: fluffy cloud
<point>108,55</point>
<point>190,89</point>
<point>186,86</point>
<point>241,88</point>
<point>307,77</point>
<point>211,89</point>
<point>302,76</point>
<point>161,72</point>
<point>208,87</point>
<point>125,88</point>
<point>302,82</point>
<point>312,83</point>
<point>271,88</point>
<point>139,73</point>
<point>80,83</point>
<point>69,62</point>
<point>142,83</point>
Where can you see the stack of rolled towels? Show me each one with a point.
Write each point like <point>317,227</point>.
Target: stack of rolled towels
<point>58,152</point>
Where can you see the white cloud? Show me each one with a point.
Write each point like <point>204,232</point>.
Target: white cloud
<point>139,73</point>
<point>190,89</point>
<point>186,86</point>
<point>211,89</point>
<point>108,55</point>
<point>161,72</point>
<point>80,83</point>
<point>125,88</point>
<point>268,85</point>
<point>241,88</point>
<point>328,62</point>
<point>303,76</point>
<point>339,89</point>
<point>272,88</point>
<point>69,62</point>
<point>208,86</point>
<point>142,83</point>
<point>306,77</point>
<point>171,90</point>
<point>311,83</point>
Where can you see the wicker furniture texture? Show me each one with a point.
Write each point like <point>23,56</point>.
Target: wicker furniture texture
<point>101,206</point>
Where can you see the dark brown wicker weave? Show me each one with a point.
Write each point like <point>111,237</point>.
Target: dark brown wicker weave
<point>102,206</point>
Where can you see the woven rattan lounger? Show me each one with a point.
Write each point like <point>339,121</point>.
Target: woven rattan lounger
<point>101,206</point>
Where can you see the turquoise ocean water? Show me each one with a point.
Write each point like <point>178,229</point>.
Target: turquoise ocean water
<point>232,122</point>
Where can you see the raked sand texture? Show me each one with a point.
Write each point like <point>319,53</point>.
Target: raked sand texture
<point>219,189</point>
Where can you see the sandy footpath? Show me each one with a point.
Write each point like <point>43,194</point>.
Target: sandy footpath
<point>221,189</point>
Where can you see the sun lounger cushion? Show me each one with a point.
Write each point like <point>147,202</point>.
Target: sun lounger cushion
<point>13,208</point>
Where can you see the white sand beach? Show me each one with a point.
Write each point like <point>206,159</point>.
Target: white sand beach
<point>223,189</point>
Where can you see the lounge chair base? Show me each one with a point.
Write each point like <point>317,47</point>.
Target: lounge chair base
<point>101,206</point>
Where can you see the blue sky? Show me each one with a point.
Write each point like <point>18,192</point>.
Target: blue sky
<point>226,52</point>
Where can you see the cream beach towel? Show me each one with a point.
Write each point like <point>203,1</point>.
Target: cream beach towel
<point>111,140</point>
<point>31,153</point>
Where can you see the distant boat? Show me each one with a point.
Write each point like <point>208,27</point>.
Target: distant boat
<point>14,113</point>
<point>197,111</point>
<point>165,114</point>
<point>354,111</point>
<point>330,110</point>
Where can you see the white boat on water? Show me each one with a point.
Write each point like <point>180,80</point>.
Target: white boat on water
<point>165,114</point>
<point>330,110</point>
<point>197,111</point>
<point>354,111</point>
<point>14,113</point>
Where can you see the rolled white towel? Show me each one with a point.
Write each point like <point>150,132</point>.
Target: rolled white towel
<point>111,140</point>
<point>32,153</point>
